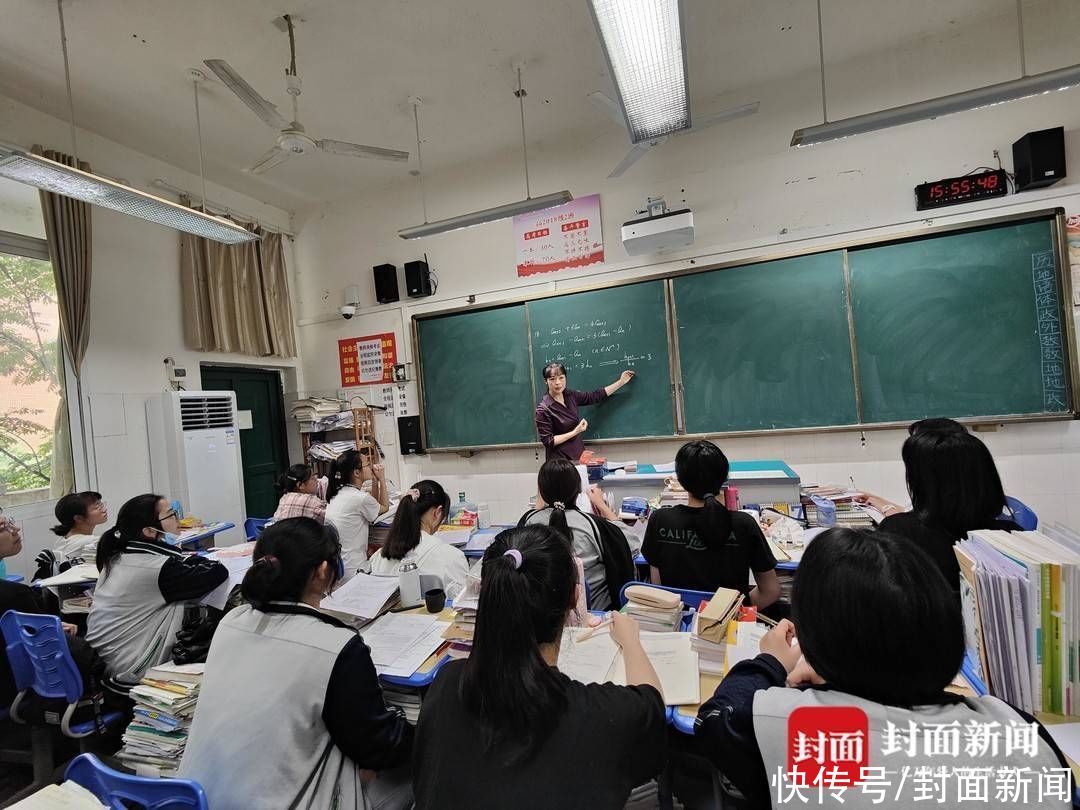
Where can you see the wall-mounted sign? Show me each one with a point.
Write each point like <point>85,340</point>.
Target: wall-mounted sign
<point>559,238</point>
<point>367,360</point>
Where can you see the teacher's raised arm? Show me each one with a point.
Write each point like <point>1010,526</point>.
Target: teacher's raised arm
<point>558,421</point>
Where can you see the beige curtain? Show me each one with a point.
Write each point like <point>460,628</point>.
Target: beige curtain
<point>236,297</point>
<point>68,231</point>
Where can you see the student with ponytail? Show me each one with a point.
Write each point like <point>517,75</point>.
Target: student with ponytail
<point>533,737</point>
<point>298,489</point>
<point>702,546</point>
<point>420,512</point>
<point>556,505</point>
<point>146,583</point>
<point>351,510</point>
<point>300,688</point>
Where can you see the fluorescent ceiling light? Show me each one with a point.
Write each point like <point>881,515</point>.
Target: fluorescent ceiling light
<point>646,53</point>
<point>49,175</point>
<point>487,215</point>
<point>1061,79</point>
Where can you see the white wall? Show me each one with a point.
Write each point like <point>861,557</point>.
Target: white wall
<point>751,195</point>
<point>135,314</point>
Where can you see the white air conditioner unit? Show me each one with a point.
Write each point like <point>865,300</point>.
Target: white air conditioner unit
<point>195,456</point>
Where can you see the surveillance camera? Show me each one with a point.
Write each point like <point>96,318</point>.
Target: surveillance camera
<point>348,311</point>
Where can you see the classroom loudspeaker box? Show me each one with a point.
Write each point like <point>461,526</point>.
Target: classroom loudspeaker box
<point>386,291</point>
<point>417,279</point>
<point>409,435</point>
<point>1039,158</point>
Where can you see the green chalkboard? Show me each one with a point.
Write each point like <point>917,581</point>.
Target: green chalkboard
<point>964,324</point>
<point>597,335</point>
<point>476,380</point>
<point>766,346</point>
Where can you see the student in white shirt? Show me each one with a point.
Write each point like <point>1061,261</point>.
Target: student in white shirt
<point>79,514</point>
<point>351,510</point>
<point>419,514</point>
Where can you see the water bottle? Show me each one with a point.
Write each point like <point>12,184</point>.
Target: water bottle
<point>409,583</point>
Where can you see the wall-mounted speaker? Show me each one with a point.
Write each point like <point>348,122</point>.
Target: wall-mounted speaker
<point>409,439</point>
<point>1039,158</point>
<point>386,289</point>
<point>417,279</point>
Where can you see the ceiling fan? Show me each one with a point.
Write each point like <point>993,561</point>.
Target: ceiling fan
<point>292,139</point>
<point>611,108</point>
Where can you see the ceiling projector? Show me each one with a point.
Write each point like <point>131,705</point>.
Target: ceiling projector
<point>659,230</point>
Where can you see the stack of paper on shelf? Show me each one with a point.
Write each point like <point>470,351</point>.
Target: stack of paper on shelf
<point>656,610</point>
<point>312,409</point>
<point>598,659</point>
<point>335,421</point>
<point>1020,593</point>
<point>329,451</point>
<point>164,704</point>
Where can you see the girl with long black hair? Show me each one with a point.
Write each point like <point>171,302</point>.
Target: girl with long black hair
<point>533,737</point>
<point>703,546</point>
<point>351,509</point>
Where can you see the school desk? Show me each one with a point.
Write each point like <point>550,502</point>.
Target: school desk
<point>205,533</point>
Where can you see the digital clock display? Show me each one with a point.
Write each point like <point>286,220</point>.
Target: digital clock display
<point>961,189</point>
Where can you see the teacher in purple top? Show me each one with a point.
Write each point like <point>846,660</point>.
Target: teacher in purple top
<point>557,419</point>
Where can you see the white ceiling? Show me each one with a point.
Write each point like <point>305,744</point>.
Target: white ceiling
<point>361,59</point>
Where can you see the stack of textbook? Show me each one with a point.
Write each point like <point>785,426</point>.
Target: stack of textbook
<point>1020,593</point>
<point>164,705</point>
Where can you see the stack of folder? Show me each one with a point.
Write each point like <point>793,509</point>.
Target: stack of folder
<point>164,705</point>
<point>1020,593</point>
<point>656,610</point>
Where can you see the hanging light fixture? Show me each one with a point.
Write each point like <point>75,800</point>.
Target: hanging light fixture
<point>1023,87</point>
<point>526,206</point>
<point>50,175</point>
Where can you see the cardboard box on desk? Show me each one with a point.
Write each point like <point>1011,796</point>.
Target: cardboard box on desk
<point>713,620</point>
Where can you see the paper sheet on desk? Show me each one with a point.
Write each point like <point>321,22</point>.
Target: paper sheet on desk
<point>675,662</point>
<point>76,575</point>
<point>401,642</point>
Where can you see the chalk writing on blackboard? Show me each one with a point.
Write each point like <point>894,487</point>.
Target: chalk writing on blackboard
<point>1051,342</point>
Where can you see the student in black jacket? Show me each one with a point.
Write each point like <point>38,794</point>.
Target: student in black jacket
<point>877,628</point>
<point>955,488</point>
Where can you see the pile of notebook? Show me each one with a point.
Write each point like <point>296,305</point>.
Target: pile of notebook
<point>656,610</point>
<point>164,705</point>
<point>460,633</point>
<point>407,699</point>
<point>1020,594</point>
<point>849,512</point>
<point>335,421</point>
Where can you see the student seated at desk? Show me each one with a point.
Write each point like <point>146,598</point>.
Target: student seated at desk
<point>144,587</point>
<point>955,488</point>
<point>299,490</point>
<point>78,514</point>
<point>290,712</point>
<point>419,514</point>
<point>702,546</point>
<point>24,599</point>
<point>559,485</point>
<point>504,728</point>
<point>351,510</point>
<point>878,629</point>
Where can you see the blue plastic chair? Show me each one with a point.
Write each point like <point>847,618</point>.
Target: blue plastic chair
<point>253,527</point>
<point>1021,514</point>
<point>120,790</point>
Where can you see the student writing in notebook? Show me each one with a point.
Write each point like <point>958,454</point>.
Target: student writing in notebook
<point>504,728</point>
<point>703,546</point>
<point>290,711</point>
<point>878,629</point>
<point>955,487</point>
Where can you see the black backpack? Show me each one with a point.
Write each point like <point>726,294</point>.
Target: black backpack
<point>614,553</point>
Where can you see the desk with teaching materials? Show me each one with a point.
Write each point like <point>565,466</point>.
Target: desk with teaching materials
<point>768,481</point>
<point>199,539</point>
